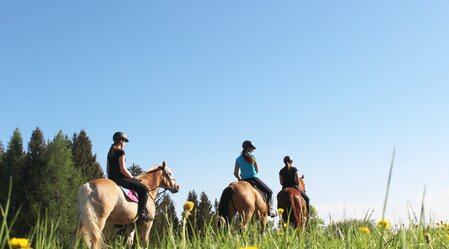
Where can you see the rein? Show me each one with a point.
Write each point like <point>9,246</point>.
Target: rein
<point>159,194</point>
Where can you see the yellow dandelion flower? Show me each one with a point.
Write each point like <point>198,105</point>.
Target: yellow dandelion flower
<point>19,243</point>
<point>188,206</point>
<point>384,224</point>
<point>447,236</point>
<point>249,247</point>
<point>364,229</point>
<point>280,210</point>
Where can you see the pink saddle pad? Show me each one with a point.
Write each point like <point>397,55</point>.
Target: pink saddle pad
<point>130,194</point>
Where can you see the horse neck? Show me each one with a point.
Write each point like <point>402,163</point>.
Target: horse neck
<point>152,180</point>
<point>302,186</point>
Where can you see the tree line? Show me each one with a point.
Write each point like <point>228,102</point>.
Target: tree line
<point>42,182</point>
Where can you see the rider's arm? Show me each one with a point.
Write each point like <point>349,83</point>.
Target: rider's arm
<point>256,167</point>
<point>297,178</point>
<point>281,180</point>
<point>123,169</point>
<point>236,171</point>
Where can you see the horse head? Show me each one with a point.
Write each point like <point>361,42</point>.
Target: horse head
<point>302,185</point>
<point>163,178</point>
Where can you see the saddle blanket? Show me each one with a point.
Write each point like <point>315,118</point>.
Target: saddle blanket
<point>130,194</point>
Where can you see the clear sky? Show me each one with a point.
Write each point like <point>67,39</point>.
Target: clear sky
<point>335,84</point>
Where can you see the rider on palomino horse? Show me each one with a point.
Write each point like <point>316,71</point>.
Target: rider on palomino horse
<point>288,176</point>
<point>248,167</point>
<point>117,172</point>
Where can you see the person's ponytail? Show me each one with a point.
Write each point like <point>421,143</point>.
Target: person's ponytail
<point>248,157</point>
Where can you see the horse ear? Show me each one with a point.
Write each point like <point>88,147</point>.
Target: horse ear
<point>163,164</point>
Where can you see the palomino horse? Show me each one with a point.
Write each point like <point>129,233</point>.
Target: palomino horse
<point>294,205</point>
<point>101,201</point>
<point>242,198</point>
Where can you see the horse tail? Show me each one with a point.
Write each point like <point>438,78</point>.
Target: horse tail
<point>225,198</point>
<point>88,218</point>
<point>295,209</point>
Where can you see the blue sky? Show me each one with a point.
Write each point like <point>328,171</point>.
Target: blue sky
<point>336,85</point>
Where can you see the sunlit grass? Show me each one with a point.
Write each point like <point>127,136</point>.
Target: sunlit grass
<point>366,233</point>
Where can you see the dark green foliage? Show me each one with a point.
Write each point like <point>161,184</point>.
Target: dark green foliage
<point>61,184</point>
<point>216,206</point>
<point>84,159</point>
<point>35,162</point>
<point>135,170</point>
<point>165,219</point>
<point>204,213</point>
<point>12,167</point>
<point>2,151</point>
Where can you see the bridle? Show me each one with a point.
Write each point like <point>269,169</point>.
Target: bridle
<point>172,181</point>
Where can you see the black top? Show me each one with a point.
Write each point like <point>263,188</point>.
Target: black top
<point>114,165</point>
<point>288,176</point>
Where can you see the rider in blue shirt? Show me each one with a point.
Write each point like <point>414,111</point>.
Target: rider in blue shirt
<point>248,167</point>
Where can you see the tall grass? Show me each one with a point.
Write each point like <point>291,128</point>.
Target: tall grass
<point>364,233</point>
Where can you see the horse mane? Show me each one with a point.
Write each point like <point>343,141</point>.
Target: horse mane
<point>154,168</point>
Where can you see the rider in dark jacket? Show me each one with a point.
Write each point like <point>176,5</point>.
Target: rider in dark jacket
<point>289,177</point>
<point>117,171</point>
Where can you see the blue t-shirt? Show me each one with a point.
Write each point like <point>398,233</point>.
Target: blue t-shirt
<point>247,169</point>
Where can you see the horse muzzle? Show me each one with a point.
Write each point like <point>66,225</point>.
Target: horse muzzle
<point>175,189</point>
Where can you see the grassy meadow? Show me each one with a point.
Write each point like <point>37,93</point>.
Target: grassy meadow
<point>365,233</point>
<point>344,234</point>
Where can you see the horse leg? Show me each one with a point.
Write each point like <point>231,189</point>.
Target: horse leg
<point>96,236</point>
<point>145,233</point>
<point>263,222</point>
<point>130,231</point>
<point>247,216</point>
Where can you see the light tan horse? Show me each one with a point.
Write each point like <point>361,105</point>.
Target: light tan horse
<point>295,210</point>
<point>242,198</point>
<point>102,200</point>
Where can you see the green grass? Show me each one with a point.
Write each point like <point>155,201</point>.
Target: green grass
<point>342,234</point>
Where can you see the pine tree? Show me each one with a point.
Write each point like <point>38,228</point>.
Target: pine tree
<point>165,217</point>
<point>216,207</point>
<point>204,213</point>
<point>61,186</point>
<point>12,168</point>
<point>35,162</point>
<point>2,151</point>
<point>83,157</point>
<point>135,169</point>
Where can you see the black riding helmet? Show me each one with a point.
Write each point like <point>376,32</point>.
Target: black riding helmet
<point>287,159</point>
<point>120,136</point>
<point>246,144</point>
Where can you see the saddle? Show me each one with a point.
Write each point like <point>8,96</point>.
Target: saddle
<point>130,194</point>
<point>263,194</point>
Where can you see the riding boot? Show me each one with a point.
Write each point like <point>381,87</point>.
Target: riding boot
<point>271,211</point>
<point>142,217</point>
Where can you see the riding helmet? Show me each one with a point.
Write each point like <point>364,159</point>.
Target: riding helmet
<point>120,136</point>
<point>247,143</point>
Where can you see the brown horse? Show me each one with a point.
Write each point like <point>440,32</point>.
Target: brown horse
<point>294,205</point>
<point>242,198</point>
<point>102,200</point>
